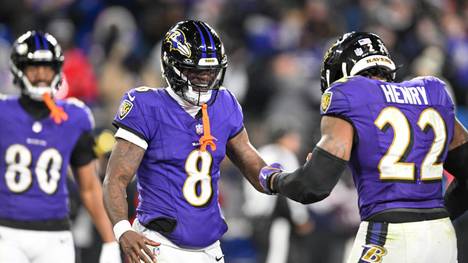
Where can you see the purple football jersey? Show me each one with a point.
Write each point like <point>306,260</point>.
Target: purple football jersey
<point>403,131</point>
<point>175,179</point>
<point>35,155</point>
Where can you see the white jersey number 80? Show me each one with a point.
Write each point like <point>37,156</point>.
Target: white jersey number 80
<point>197,188</point>
<point>18,175</point>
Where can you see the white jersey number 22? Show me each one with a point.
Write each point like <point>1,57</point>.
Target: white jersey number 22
<point>391,166</point>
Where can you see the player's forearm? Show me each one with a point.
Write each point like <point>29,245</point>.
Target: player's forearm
<point>250,164</point>
<point>246,158</point>
<point>455,198</point>
<point>115,200</point>
<point>311,182</point>
<point>457,155</point>
<point>123,163</point>
<point>92,200</point>
<point>91,196</point>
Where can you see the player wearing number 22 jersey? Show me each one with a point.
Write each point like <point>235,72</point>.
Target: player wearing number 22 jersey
<point>397,138</point>
<point>402,131</point>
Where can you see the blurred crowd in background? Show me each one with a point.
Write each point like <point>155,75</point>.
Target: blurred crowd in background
<point>275,50</point>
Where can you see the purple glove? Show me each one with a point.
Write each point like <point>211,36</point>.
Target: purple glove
<point>265,173</point>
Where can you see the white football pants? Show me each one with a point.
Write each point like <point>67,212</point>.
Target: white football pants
<point>431,241</point>
<point>32,246</point>
<point>169,252</point>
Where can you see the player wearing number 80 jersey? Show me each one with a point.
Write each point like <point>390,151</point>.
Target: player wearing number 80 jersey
<point>40,138</point>
<point>36,159</point>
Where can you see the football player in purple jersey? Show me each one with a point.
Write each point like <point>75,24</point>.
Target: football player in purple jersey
<point>40,138</point>
<point>174,139</point>
<point>397,138</point>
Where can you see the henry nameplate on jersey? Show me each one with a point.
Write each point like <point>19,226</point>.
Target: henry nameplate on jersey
<point>405,95</point>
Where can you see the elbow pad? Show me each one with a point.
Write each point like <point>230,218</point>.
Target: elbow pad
<point>312,182</point>
<point>455,163</point>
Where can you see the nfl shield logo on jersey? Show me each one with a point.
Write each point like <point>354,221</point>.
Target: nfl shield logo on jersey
<point>199,128</point>
<point>326,100</point>
<point>125,108</point>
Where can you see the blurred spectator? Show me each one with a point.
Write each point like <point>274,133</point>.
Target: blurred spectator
<point>79,77</point>
<point>270,215</point>
<point>115,37</point>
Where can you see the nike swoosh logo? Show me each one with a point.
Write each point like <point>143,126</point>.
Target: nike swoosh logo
<point>218,259</point>
<point>132,98</point>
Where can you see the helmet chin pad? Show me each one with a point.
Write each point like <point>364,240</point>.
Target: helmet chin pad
<point>196,98</point>
<point>37,92</point>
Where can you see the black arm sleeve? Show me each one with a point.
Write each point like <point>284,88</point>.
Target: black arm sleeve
<point>83,153</point>
<point>456,196</point>
<point>456,160</point>
<point>312,182</point>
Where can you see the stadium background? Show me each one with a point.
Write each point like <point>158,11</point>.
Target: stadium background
<point>275,49</point>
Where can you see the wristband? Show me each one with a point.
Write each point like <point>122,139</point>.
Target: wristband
<point>121,227</point>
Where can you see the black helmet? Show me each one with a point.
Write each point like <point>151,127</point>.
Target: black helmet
<point>193,48</point>
<point>352,54</point>
<point>36,48</point>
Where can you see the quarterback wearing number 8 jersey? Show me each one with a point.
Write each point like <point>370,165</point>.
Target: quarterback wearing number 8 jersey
<point>175,139</point>
<point>176,180</point>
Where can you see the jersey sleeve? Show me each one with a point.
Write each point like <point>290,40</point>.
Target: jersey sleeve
<point>85,117</point>
<point>83,151</point>
<point>334,103</point>
<point>445,97</point>
<point>236,118</point>
<point>132,121</point>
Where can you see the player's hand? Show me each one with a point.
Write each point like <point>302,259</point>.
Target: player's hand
<point>110,253</point>
<point>134,246</point>
<point>266,173</point>
<point>309,156</point>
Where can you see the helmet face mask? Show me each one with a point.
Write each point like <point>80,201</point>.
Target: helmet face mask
<point>34,49</point>
<point>193,61</point>
<point>354,53</point>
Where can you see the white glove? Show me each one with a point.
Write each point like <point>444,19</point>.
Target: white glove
<point>110,253</point>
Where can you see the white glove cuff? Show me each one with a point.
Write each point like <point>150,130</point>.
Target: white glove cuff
<point>121,227</point>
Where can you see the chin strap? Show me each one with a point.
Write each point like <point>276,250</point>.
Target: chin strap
<point>56,113</point>
<point>206,139</point>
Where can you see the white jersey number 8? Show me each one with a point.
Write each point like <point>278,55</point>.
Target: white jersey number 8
<point>391,166</point>
<point>197,188</point>
<point>18,175</point>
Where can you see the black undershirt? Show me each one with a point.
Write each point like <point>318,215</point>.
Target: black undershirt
<point>37,109</point>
